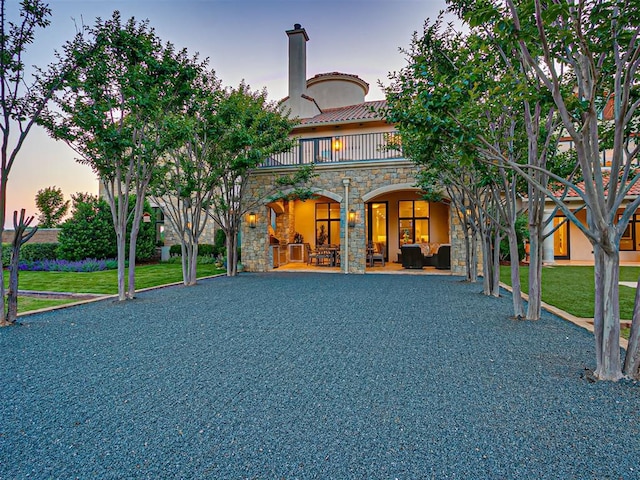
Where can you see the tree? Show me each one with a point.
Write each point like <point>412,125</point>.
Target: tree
<point>247,130</point>
<point>21,101</point>
<point>452,97</point>
<point>52,206</point>
<point>20,237</point>
<point>120,112</point>
<point>586,56</point>
<point>186,178</point>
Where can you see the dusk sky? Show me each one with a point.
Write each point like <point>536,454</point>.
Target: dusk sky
<point>242,39</point>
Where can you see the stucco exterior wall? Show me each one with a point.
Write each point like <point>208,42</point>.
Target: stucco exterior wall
<point>336,93</point>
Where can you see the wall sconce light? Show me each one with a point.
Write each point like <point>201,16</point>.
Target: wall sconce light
<point>252,220</point>
<point>337,144</point>
<point>146,217</point>
<point>352,218</point>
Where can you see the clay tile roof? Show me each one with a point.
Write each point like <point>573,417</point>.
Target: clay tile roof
<point>361,111</point>
<point>634,191</point>
<point>334,74</point>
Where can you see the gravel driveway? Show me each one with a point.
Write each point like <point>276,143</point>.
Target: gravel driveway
<point>285,375</point>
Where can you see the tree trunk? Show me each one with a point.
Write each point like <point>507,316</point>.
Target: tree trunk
<point>3,206</point>
<point>632,358</point>
<point>232,253</point>
<point>495,252</point>
<point>516,289</point>
<point>534,307</point>
<point>487,264</point>
<point>121,238</point>
<point>193,265</point>
<point>606,315</point>
<point>470,242</point>
<point>474,257</point>
<point>133,241</point>
<point>19,238</point>
<point>12,295</point>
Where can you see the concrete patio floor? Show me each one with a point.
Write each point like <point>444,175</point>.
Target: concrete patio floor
<point>309,376</point>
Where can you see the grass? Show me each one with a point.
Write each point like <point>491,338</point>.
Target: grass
<point>106,281</point>
<point>26,304</point>
<point>571,288</point>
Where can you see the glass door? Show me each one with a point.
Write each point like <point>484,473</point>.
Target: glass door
<point>378,225</point>
<point>561,237</point>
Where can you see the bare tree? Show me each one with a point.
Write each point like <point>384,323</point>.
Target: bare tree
<point>20,237</point>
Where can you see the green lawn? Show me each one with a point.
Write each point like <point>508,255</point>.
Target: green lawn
<point>26,304</point>
<point>95,282</point>
<point>571,288</point>
<point>106,281</point>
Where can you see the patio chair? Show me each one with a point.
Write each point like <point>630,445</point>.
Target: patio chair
<point>378,253</point>
<point>319,254</point>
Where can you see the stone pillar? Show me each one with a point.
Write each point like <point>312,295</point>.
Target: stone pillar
<point>547,245</point>
<point>256,251</point>
<point>357,247</point>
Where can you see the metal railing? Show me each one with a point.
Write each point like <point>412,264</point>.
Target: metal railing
<point>340,148</point>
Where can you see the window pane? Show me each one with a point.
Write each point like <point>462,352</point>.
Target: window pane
<point>406,209</point>
<point>422,231</point>
<point>322,233</point>
<point>335,233</point>
<point>322,211</point>
<point>334,210</point>
<point>422,209</point>
<point>406,231</point>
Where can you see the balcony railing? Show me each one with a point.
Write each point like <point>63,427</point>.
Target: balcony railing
<point>340,148</point>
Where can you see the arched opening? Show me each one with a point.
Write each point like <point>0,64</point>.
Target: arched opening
<point>398,215</point>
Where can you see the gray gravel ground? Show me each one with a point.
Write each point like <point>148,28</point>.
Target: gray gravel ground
<point>284,376</point>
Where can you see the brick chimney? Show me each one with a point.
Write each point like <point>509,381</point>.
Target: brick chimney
<point>298,39</point>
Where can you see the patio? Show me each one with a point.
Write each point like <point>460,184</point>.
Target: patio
<point>309,376</point>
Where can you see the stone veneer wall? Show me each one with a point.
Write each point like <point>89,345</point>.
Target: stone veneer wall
<point>363,179</point>
<point>208,235</point>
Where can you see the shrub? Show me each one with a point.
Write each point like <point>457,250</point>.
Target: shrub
<point>522,233</point>
<point>201,260</point>
<point>175,250</point>
<point>89,233</point>
<point>206,250</point>
<point>39,251</point>
<point>6,254</point>
<point>30,252</point>
<point>219,243</point>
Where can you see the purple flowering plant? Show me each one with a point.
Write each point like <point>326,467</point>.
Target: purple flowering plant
<point>87,265</point>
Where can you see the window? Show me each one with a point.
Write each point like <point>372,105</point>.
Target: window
<point>413,221</point>
<point>631,236</point>
<point>327,223</point>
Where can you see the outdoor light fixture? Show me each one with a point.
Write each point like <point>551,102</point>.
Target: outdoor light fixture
<point>352,218</point>
<point>252,220</point>
<point>337,144</point>
<point>146,217</point>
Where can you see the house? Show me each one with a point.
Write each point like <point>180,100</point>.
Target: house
<point>569,243</point>
<point>365,188</point>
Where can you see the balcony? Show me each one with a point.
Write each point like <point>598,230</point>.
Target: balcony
<point>340,149</point>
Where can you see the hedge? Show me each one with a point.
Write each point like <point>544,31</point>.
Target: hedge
<point>31,252</point>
